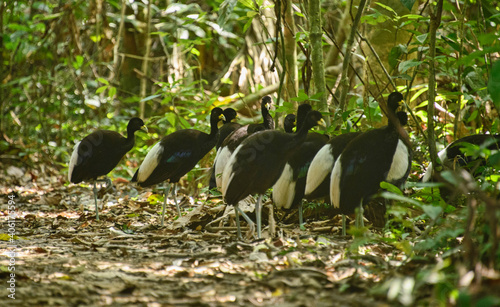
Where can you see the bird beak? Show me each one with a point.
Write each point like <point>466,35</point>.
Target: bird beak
<point>144,128</point>
<point>268,106</point>
<point>322,122</point>
<point>222,117</point>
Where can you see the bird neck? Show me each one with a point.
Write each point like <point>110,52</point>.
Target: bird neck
<point>214,128</point>
<point>267,118</point>
<point>130,133</point>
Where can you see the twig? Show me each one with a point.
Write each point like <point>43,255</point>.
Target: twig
<point>347,56</point>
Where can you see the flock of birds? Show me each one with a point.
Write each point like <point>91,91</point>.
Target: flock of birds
<point>346,170</point>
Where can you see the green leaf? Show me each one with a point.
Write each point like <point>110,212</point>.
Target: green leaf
<point>401,198</point>
<point>249,4</point>
<point>226,8</point>
<point>112,92</point>
<point>494,84</point>
<point>408,3</point>
<point>103,81</point>
<point>395,53</point>
<point>386,7</point>
<point>432,211</point>
<point>150,97</point>
<point>101,89</point>
<point>390,187</point>
<point>421,38</point>
<point>405,65</point>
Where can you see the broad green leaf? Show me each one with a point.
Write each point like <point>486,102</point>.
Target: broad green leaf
<point>395,53</point>
<point>405,65</point>
<point>103,81</point>
<point>112,92</point>
<point>421,38</point>
<point>432,211</point>
<point>101,89</point>
<point>390,187</point>
<point>408,3</point>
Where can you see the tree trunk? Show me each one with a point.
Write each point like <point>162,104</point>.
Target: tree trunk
<point>434,25</point>
<point>318,65</point>
<point>292,82</point>
<point>145,60</point>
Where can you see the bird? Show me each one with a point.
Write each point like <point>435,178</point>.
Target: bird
<point>319,172</point>
<point>99,153</point>
<point>453,153</point>
<point>257,163</point>
<point>289,123</point>
<point>372,157</point>
<point>175,155</point>
<point>288,191</point>
<point>228,126</point>
<point>234,139</point>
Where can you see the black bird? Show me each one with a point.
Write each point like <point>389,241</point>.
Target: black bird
<point>288,191</point>
<point>320,170</point>
<point>257,163</point>
<point>289,123</point>
<point>234,139</point>
<point>454,155</point>
<point>228,126</point>
<point>175,155</point>
<point>372,157</point>
<point>99,153</point>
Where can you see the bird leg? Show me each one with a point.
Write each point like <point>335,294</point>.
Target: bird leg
<point>166,191</point>
<point>237,218</point>
<point>343,225</point>
<point>95,200</point>
<point>258,213</point>
<point>301,217</point>
<point>251,224</point>
<point>175,200</point>
<point>359,216</point>
<point>109,184</point>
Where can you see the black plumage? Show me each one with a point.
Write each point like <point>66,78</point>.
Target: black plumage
<point>372,157</point>
<point>228,126</point>
<point>236,137</point>
<point>257,163</point>
<point>175,155</point>
<point>99,153</point>
<point>289,123</point>
<point>320,170</point>
<point>288,191</point>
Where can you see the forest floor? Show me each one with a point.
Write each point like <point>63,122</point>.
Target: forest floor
<point>67,258</point>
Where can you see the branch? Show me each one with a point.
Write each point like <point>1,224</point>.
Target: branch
<point>347,56</point>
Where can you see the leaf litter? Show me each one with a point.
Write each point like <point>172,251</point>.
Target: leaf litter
<point>65,257</point>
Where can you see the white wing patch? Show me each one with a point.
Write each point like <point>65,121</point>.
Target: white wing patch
<point>399,164</point>
<point>428,172</point>
<point>284,189</point>
<point>335,183</point>
<point>73,161</point>
<point>227,173</point>
<point>221,159</point>
<point>320,167</point>
<point>150,163</point>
